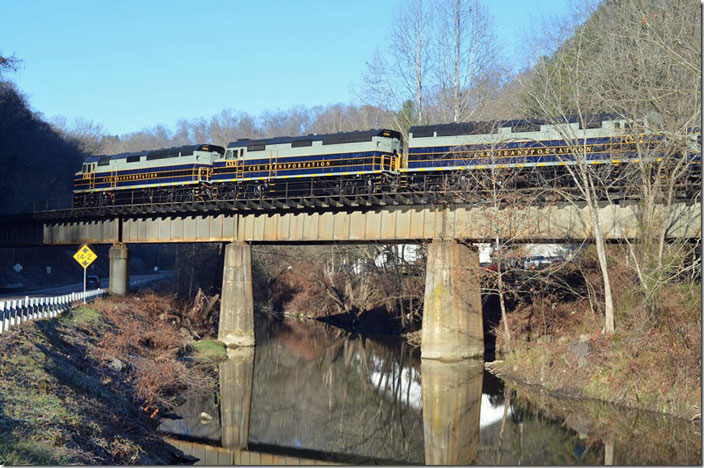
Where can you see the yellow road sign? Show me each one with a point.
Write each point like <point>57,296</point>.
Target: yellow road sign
<point>85,256</point>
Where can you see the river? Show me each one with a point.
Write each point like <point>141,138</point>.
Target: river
<point>309,392</point>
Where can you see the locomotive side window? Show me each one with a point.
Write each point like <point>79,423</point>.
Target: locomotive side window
<point>131,159</point>
<point>301,143</point>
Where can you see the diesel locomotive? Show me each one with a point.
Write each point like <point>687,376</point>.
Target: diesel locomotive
<point>354,162</point>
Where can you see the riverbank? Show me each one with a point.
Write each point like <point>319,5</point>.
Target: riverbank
<point>88,387</point>
<point>616,435</point>
<point>653,365</point>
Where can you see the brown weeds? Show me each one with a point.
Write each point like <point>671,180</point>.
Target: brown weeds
<point>653,360</point>
<point>149,347</point>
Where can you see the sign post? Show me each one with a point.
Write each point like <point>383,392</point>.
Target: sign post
<point>85,256</point>
<point>17,269</point>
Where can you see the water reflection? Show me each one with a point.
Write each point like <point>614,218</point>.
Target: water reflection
<point>452,394</point>
<point>309,391</point>
<point>317,388</point>
<point>236,396</point>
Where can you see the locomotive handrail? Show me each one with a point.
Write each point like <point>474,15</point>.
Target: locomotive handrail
<point>15,312</point>
<point>290,195</point>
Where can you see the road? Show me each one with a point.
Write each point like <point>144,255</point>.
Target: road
<point>135,281</point>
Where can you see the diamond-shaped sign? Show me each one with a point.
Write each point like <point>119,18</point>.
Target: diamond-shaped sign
<point>17,267</point>
<point>85,256</point>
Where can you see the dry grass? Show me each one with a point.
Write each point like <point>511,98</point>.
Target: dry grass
<point>145,338</point>
<point>652,361</point>
<point>67,400</point>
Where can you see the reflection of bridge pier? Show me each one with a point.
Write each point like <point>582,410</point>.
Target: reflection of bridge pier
<point>452,394</point>
<point>236,376</point>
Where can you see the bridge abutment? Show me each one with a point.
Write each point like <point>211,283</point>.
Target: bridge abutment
<point>452,311</point>
<point>237,302</point>
<point>119,269</point>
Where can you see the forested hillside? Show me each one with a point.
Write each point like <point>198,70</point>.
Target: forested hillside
<point>36,162</point>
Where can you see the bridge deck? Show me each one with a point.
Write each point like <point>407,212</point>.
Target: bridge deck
<point>391,223</point>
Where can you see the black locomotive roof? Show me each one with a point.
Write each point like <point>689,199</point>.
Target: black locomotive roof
<point>492,126</point>
<point>158,153</point>
<point>327,139</point>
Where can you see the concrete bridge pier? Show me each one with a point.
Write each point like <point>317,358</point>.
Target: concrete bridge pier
<point>236,326</point>
<point>119,269</point>
<point>452,311</point>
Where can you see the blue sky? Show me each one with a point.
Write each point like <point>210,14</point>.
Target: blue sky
<point>129,64</point>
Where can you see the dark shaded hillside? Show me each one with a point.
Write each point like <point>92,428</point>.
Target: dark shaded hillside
<point>36,163</point>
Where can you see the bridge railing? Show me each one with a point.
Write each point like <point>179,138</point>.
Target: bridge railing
<point>14,312</point>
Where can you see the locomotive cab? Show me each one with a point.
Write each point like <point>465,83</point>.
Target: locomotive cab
<point>163,175</point>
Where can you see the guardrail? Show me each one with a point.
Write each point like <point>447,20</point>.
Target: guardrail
<point>17,311</point>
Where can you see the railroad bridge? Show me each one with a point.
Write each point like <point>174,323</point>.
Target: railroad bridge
<point>452,319</point>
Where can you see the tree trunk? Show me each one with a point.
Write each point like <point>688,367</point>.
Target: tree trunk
<point>504,318</point>
<point>502,303</point>
<point>601,254</point>
<point>458,59</point>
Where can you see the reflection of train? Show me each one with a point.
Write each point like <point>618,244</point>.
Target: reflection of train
<point>349,163</point>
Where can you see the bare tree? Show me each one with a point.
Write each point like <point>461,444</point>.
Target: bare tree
<point>467,52</point>
<point>293,122</point>
<point>8,63</point>
<point>401,72</point>
<point>657,47</point>
<point>410,36</point>
<point>639,60</point>
<point>507,216</point>
<point>89,135</point>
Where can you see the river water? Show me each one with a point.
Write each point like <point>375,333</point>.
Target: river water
<point>309,391</point>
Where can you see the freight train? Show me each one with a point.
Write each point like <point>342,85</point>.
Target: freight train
<point>370,161</point>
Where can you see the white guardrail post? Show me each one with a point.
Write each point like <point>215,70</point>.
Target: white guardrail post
<point>16,311</point>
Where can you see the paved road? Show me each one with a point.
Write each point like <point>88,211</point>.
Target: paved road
<point>135,280</point>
